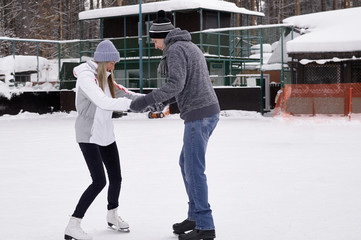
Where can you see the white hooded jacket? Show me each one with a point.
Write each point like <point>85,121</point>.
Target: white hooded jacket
<point>95,106</point>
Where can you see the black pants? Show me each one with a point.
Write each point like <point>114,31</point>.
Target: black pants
<point>95,156</point>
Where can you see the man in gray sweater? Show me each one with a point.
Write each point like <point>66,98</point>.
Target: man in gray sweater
<point>188,82</point>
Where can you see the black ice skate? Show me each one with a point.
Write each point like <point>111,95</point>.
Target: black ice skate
<point>186,225</point>
<point>198,235</point>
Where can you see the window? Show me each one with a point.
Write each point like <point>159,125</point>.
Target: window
<point>322,73</point>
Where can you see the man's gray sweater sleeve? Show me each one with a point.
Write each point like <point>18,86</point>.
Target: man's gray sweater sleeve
<point>176,76</point>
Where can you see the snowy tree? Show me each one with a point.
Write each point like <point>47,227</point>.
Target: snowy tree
<point>277,10</point>
<point>48,19</point>
<point>57,19</point>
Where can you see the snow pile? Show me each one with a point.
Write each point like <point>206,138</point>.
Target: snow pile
<point>19,63</point>
<point>47,79</point>
<point>48,69</point>
<point>267,48</point>
<point>6,91</point>
<point>269,61</point>
<point>331,31</point>
<point>279,51</point>
<point>9,92</point>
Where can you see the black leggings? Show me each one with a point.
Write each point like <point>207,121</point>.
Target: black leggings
<point>95,156</point>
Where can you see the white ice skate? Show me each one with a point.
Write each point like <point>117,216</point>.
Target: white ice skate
<point>74,230</point>
<point>115,222</point>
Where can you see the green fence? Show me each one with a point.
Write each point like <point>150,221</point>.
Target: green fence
<point>229,54</point>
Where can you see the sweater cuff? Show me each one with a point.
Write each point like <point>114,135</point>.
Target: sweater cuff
<point>149,99</point>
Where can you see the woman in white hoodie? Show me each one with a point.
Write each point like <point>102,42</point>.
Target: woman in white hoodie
<point>97,96</point>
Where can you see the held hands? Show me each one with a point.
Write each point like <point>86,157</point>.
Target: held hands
<point>156,107</point>
<point>141,103</point>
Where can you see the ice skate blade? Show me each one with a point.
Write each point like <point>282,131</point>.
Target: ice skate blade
<point>179,232</point>
<point>67,237</point>
<point>123,230</point>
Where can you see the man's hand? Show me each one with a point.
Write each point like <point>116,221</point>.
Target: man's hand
<point>141,103</point>
<point>156,107</point>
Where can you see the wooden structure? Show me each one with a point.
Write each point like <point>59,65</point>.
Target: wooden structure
<point>224,52</point>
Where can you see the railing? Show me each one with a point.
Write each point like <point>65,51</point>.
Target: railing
<point>232,48</point>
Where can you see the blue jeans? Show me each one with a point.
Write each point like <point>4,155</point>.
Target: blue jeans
<point>193,165</point>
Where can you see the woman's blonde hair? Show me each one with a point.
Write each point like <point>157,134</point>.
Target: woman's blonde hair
<point>102,77</point>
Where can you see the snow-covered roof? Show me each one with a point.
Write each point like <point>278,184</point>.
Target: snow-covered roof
<point>331,31</point>
<point>168,6</point>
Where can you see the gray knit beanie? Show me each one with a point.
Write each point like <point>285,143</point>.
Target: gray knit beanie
<point>161,26</point>
<point>106,52</point>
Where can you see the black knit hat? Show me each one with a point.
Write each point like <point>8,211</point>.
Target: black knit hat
<point>161,26</point>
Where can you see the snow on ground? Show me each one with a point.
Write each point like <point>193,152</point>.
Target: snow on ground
<point>269,178</point>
